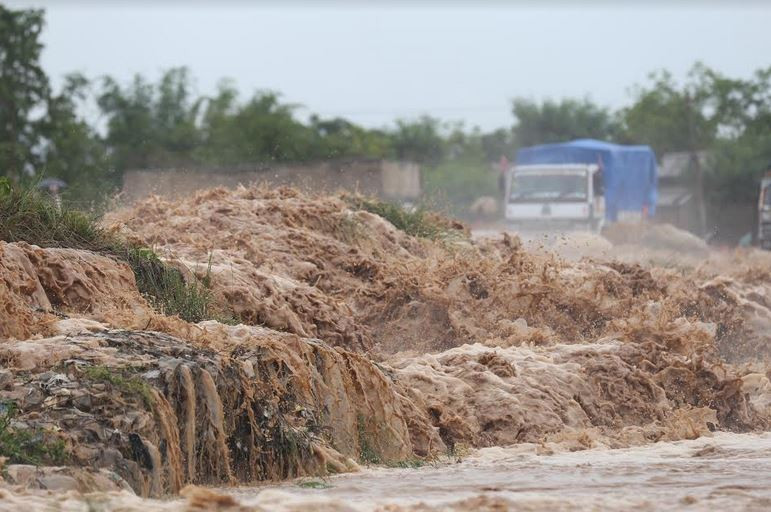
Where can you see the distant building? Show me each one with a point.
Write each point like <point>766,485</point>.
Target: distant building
<point>678,198</point>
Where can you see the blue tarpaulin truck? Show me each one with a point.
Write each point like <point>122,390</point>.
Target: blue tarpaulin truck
<point>580,185</point>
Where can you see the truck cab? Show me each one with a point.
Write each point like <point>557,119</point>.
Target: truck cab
<point>555,197</point>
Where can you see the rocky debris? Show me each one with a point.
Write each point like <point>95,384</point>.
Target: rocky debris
<point>194,499</point>
<point>64,478</point>
<point>162,413</point>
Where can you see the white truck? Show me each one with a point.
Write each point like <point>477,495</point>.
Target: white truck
<point>550,197</point>
<point>581,184</point>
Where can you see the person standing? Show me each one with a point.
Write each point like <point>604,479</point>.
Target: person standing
<point>503,167</point>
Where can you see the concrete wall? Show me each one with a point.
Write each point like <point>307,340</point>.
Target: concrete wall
<point>386,179</point>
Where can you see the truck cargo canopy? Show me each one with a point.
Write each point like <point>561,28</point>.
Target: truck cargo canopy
<point>629,172</point>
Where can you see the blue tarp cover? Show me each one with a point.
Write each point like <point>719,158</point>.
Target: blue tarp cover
<point>629,172</point>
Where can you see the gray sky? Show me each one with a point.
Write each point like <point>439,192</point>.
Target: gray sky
<point>376,62</point>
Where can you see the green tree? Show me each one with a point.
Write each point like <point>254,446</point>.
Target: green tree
<point>41,134</point>
<point>217,145</point>
<point>420,141</point>
<point>130,127</point>
<point>267,130</point>
<point>24,88</point>
<point>151,125</point>
<point>497,143</point>
<point>339,138</point>
<point>262,130</point>
<point>72,150</point>
<point>463,175</point>
<point>669,116</point>
<point>552,121</point>
<point>727,117</point>
<point>742,150</point>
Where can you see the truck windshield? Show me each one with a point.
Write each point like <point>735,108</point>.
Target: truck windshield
<point>767,196</point>
<point>551,187</point>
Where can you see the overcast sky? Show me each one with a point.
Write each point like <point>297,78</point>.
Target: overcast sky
<point>373,62</point>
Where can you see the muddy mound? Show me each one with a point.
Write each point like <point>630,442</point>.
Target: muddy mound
<point>311,266</point>
<point>606,392</point>
<point>38,284</point>
<point>277,258</point>
<point>655,236</point>
<point>318,267</point>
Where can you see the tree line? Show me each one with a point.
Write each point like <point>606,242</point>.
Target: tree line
<point>165,123</point>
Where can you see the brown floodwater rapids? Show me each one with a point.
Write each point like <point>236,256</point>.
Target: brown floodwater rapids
<point>711,473</point>
<point>341,359</point>
<point>716,472</point>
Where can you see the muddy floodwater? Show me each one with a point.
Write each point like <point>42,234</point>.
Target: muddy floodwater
<point>626,370</point>
<point>724,471</point>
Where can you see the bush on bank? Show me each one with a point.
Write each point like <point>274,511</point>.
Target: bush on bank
<point>27,215</point>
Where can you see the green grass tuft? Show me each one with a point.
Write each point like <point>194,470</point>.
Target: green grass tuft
<point>25,445</point>
<point>27,215</point>
<point>132,385</point>
<point>367,452</point>
<point>419,222</point>
<point>166,288</point>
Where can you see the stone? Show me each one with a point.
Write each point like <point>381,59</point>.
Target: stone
<point>57,482</point>
<point>20,474</point>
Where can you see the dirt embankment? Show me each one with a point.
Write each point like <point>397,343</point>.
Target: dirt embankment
<point>167,403</point>
<point>480,343</point>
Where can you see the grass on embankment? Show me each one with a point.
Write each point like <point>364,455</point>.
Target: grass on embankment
<point>25,445</point>
<point>26,215</point>
<point>419,221</point>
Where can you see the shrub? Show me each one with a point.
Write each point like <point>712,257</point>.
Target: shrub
<point>27,215</point>
<point>27,445</point>
<point>132,384</point>
<point>418,221</point>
